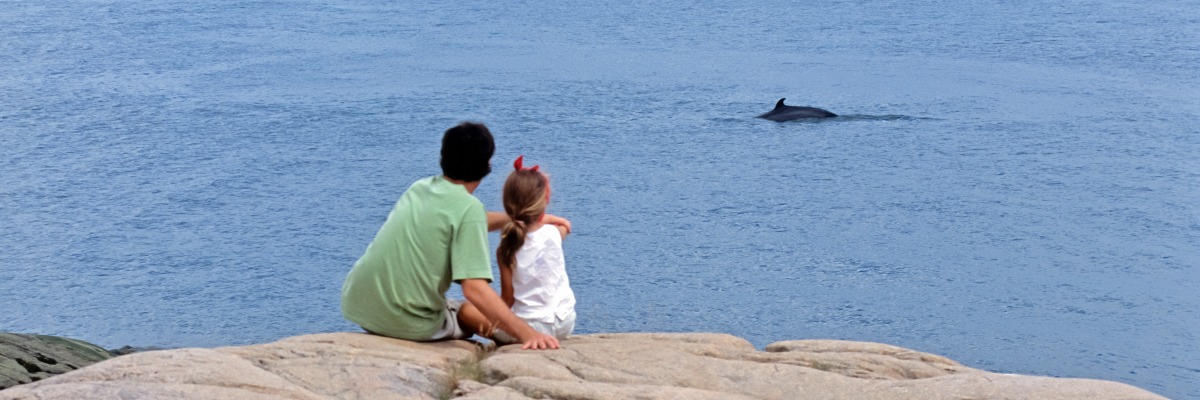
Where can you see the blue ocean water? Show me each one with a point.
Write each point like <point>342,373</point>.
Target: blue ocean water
<point>1012,185</point>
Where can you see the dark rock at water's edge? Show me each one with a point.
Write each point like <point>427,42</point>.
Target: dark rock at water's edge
<point>126,350</point>
<point>26,358</point>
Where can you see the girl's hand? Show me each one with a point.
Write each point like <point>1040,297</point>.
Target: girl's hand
<point>557,221</point>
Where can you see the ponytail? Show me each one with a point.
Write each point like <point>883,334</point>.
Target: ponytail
<point>525,203</point>
<point>512,237</point>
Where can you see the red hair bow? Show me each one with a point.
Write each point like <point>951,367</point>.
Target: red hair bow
<point>518,164</point>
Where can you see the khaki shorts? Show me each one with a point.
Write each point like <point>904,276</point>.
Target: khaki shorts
<point>560,329</point>
<point>450,329</point>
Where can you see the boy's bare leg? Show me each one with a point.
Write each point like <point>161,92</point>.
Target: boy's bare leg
<point>473,321</point>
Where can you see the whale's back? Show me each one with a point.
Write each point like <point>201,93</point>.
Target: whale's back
<point>783,112</point>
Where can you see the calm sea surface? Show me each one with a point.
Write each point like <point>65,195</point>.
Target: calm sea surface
<point>1014,185</point>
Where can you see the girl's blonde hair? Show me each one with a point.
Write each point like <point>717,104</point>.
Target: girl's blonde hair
<point>525,203</point>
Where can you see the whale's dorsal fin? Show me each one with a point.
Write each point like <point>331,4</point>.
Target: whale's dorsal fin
<point>780,103</point>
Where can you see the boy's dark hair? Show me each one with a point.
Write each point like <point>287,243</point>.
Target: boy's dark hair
<point>467,152</point>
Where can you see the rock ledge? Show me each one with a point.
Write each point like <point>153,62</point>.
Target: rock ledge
<point>600,366</point>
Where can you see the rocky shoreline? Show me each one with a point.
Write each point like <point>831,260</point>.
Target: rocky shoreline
<point>26,358</point>
<point>597,366</point>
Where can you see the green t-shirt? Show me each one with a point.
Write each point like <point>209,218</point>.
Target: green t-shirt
<point>436,234</point>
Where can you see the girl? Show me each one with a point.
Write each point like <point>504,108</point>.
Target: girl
<point>533,274</point>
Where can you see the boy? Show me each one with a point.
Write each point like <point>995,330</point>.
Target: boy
<point>437,233</point>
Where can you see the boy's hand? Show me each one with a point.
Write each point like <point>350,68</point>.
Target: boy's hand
<point>557,221</point>
<point>541,342</point>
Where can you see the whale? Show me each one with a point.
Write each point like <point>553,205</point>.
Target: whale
<point>784,112</point>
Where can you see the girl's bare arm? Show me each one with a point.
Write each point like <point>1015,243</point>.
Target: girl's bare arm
<point>506,287</point>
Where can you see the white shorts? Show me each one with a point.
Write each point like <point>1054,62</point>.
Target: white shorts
<point>560,329</point>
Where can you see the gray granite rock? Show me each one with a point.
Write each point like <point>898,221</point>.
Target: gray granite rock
<point>603,366</point>
<point>28,358</point>
<point>323,366</point>
<point>665,366</point>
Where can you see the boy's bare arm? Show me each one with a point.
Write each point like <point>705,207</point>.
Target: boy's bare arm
<point>481,295</point>
<point>496,220</point>
<point>563,225</point>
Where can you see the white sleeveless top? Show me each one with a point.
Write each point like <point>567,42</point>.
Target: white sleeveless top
<point>540,285</point>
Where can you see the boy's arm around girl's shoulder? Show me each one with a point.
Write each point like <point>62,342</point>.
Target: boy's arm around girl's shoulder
<point>497,220</point>
<point>563,225</point>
